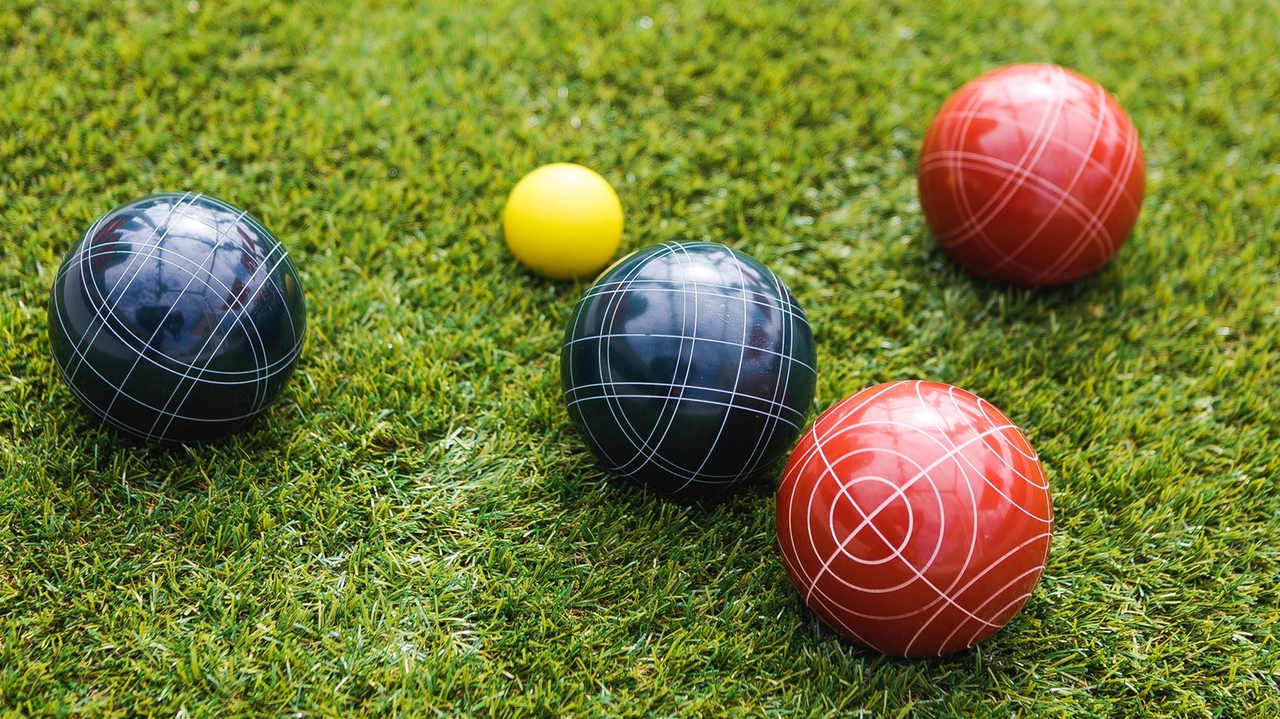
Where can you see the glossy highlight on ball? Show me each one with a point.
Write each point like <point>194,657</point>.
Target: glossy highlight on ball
<point>177,318</point>
<point>688,367</point>
<point>1031,175</point>
<point>914,518</point>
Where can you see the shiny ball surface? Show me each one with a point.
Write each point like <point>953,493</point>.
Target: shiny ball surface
<point>914,518</point>
<point>563,221</point>
<point>688,367</point>
<point>1031,175</point>
<point>177,318</point>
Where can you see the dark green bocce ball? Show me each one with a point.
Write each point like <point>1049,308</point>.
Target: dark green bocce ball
<point>177,318</point>
<point>688,367</point>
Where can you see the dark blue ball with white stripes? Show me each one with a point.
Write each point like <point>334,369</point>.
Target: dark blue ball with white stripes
<point>177,318</point>
<point>688,367</point>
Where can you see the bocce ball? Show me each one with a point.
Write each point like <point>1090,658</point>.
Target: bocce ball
<point>177,318</point>
<point>688,367</point>
<point>914,518</point>
<point>563,221</point>
<point>1031,175</point>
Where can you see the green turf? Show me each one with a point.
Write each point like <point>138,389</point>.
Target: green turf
<point>416,530</point>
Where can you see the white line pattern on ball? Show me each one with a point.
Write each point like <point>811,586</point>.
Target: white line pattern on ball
<point>1021,175</point>
<point>152,249</point>
<point>647,444</point>
<point>805,560</point>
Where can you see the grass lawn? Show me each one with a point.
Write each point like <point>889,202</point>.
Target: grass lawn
<point>416,530</point>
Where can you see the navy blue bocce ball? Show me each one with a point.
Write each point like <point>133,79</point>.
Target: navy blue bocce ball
<point>688,367</point>
<point>177,318</point>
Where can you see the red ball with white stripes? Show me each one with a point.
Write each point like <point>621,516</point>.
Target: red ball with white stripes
<point>914,518</point>
<point>1031,175</point>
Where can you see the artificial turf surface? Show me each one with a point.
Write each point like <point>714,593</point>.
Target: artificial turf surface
<point>416,530</point>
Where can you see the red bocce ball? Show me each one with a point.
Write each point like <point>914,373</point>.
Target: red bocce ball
<point>1031,175</point>
<point>914,518</point>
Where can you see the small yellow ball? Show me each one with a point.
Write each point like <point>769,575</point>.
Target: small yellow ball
<point>563,221</point>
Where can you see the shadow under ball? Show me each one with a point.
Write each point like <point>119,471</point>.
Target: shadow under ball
<point>1031,175</point>
<point>914,518</point>
<point>688,367</point>
<point>177,318</point>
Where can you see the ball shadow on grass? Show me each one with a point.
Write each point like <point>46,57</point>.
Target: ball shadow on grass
<point>165,466</point>
<point>1033,305</point>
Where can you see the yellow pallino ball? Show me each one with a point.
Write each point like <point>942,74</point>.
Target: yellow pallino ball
<point>563,221</point>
